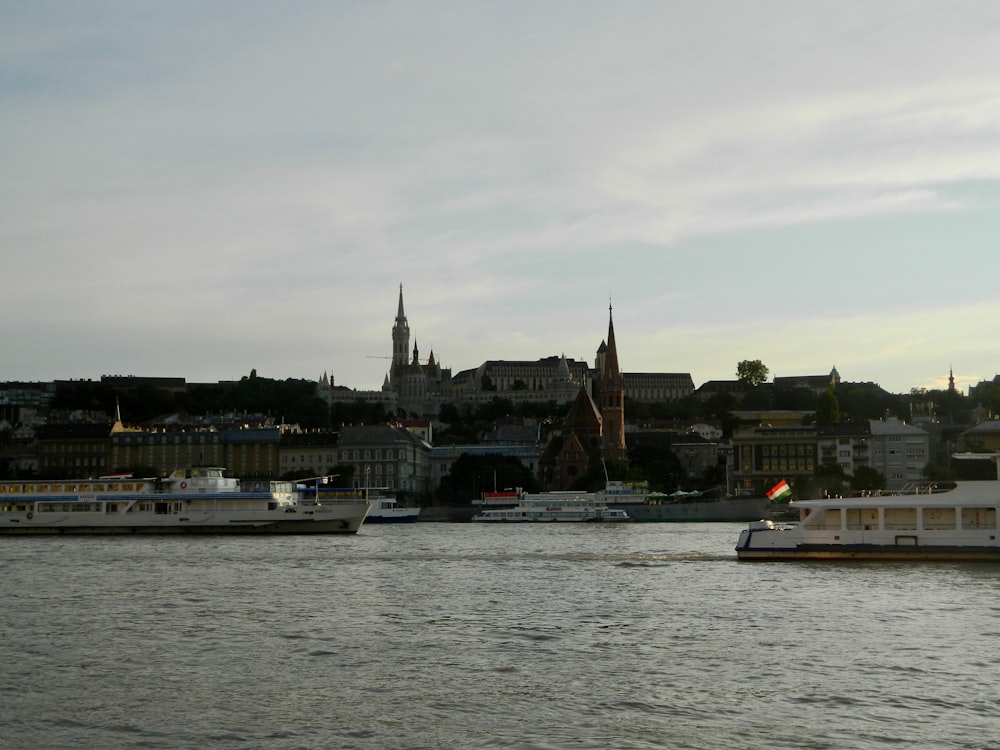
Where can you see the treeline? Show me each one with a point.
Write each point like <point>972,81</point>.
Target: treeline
<point>296,401</point>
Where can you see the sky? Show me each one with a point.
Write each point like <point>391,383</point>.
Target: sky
<point>201,189</point>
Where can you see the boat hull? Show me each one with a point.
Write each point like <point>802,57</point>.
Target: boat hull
<point>345,520</point>
<point>406,515</point>
<point>872,553</point>
<point>477,519</point>
<point>731,510</point>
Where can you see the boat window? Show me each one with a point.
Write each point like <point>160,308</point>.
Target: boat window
<point>900,518</point>
<point>979,518</point>
<point>939,518</point>
<point>830,519</point>
<point>862,518</point>
<point>826,518</point>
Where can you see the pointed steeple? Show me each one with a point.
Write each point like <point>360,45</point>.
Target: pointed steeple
<point>563,374</point>
<point>612,399</point>
<point>400,338</point>
<point>611,369</point>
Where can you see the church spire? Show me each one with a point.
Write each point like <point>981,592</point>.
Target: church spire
<point>611,369</point>
<point>400,338</point>
<point>612,394</point>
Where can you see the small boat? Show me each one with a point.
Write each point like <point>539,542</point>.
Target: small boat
<point>553,506</point>
<point>386,509</point>
<point>957,524</point>
<point>199,500</point>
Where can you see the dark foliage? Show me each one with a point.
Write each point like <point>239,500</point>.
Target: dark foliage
<point>470,476</point>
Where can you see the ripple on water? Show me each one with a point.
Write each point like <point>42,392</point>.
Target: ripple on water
<point>457,636</point>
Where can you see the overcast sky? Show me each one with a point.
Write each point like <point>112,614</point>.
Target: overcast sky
<point>198,189</point>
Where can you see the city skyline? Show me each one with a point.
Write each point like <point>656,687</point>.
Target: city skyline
<point>199,190</point>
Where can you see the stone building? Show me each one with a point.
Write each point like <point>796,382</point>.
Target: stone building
<point>388,456</point>
<point>900,452</point>
<point>420,387</point>
<point>594,427</point>
<point>415,388</point>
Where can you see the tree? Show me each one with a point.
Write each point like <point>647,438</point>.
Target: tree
<point>832,478</point>
<point>867,479</point>
<point>938,473</point>
<point>471,475</point>
<point>759,397</point>
<point>827,407</point>
<point>752,372</point>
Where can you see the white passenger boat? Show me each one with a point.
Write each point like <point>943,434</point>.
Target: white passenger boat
<point>554,506</point>
<point>386,509</point>
<point>199,500</point>
<point>956,524</point>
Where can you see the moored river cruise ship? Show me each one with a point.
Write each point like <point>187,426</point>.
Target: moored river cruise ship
<point>200,500</point>
<point>553,506</point>
<point>957,524</point>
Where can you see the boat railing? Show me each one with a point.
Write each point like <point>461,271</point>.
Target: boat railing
<point>914,488</point>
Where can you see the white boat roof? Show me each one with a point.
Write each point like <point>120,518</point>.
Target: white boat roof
<point>985,492</point>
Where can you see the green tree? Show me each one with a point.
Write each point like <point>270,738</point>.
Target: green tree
<point>867,479</point>
<point>751,372</point>
<point>470,476</point>
<point>827,407</point>
<point>938,473</point>
<point>862,401</point>
<point>654,460</point>
<point>831,478</point>
<point>758,397</point>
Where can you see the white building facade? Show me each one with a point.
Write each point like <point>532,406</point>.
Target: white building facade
<point>899,451</point>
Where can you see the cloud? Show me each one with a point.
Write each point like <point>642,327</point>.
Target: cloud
<point>257,180</point>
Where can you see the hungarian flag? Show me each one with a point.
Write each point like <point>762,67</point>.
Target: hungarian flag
<point>779,491</point>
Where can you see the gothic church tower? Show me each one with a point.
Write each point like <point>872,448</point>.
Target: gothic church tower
<point>612,400</point>
<point>400,342</point>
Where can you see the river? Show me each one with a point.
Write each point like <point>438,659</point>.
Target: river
<point>436,635</point>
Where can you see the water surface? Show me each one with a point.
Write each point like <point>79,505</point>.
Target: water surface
<point>464,635</point>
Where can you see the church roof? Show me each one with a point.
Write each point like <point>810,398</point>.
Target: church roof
<point>583,412</point>
<point>611,368</point>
